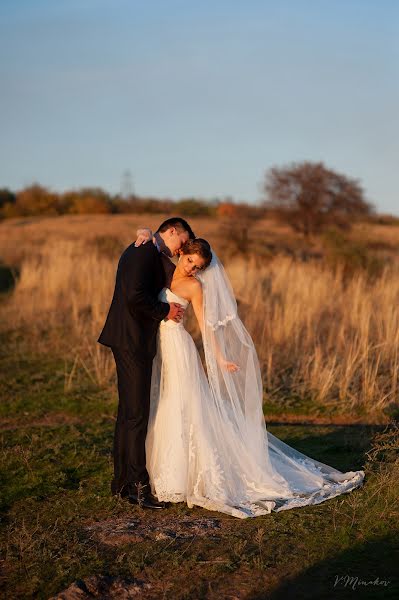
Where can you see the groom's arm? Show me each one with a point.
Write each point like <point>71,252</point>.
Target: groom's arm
<point>137,273</point>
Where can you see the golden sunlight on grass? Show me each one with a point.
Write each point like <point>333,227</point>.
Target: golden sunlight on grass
<point>319,335</point>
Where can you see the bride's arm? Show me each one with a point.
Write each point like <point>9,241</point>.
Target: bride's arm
<point>197,303</point>
<point>144,234</point>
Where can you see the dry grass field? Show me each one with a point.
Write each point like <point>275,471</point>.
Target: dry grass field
<point>324,317</point>
<point>327,341</point>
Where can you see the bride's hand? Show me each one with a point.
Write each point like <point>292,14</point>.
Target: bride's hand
<point>229,366</point>
<point>144,234</point>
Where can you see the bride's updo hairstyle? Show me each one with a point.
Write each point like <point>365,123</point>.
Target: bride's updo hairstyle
<point>198,246</point>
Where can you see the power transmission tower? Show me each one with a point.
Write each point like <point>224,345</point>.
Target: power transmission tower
<point>127,186</point>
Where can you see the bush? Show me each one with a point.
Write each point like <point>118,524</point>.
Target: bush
<point>383,220</point>
<point>6,197</point>
<point>236,224</point>
<point>190,207</point>
<point>87,201</point>
<point>352,255</point>
<point>36,200</point>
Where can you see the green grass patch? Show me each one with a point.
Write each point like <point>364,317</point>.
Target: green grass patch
<point>56,467</point>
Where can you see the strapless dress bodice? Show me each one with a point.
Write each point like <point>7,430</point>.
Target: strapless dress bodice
<point>166,295</point>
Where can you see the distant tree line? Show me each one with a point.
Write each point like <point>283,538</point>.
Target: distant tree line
<point>37,200</point>
<point>307,196</point>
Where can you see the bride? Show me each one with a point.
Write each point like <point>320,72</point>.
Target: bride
<point>207,443</point>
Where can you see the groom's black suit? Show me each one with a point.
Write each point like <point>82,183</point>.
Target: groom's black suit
<point>130,331</point>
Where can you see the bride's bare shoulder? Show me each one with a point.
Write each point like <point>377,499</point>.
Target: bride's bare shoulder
<point>194,286</point>
<point>189,289</point>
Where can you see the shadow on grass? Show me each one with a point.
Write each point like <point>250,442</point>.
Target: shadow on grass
<point>61,456</point>
<point>342,447</point>
<point>8,278</point>
<point>367,570</point>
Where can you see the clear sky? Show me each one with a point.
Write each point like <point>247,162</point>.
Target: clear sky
<point>198,98</point>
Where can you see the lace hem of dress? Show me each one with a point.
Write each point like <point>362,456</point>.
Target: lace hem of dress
<point>228,318</point>
<point>329,490</point>
<point>256,508</point>
<point>166,496</point>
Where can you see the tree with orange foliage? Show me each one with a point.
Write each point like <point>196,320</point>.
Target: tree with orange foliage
<point>226,210</point>
<point>36,200</point>
<point>237,221</point>
<point>87,200</point>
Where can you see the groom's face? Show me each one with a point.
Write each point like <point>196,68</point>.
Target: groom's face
<point>174,239</point>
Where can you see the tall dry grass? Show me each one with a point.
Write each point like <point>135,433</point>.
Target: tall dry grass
<point>319,335</point>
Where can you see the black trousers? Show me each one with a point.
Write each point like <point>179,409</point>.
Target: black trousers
<point>134,386</point>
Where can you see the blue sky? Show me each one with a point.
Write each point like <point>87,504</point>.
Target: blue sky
<point>198,98</point>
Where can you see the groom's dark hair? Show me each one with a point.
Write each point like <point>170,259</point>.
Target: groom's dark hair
<point>179,223</point>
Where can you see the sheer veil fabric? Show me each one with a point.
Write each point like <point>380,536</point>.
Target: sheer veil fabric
<point>207,442</point>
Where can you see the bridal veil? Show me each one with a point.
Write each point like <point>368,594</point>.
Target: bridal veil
<point>265,473</point>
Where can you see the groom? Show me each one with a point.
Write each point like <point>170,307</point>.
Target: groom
<point>130,331</point>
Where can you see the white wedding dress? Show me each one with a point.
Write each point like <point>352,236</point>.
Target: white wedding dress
<point>202,452</point>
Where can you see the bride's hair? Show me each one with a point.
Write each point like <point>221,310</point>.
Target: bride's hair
<point>198,246</point>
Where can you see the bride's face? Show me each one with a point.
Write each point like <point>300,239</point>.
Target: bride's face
<point>190,264</point>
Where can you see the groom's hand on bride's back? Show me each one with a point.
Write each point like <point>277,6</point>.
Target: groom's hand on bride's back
<point>175,313</point>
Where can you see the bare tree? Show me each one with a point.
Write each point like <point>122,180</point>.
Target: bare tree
<point>236,223</point>
<point>310,197</point>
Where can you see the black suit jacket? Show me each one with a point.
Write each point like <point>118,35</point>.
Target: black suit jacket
<point>135,311</point>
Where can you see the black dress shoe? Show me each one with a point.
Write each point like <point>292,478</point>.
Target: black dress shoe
<point>146,501</point>
<point>124,492</point>
<point>141,495</point>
